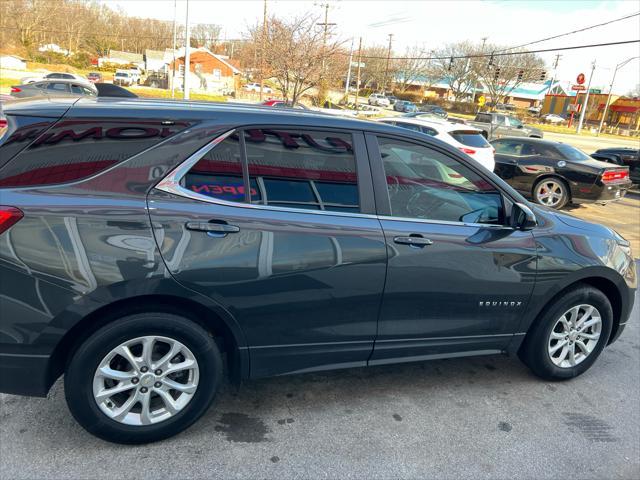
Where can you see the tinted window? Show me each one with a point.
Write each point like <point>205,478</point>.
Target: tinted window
<point>470,138</point>
<point>508,147</point>
<point>429,131</point>
<point>58,87</point>
<point>410,126</point>
<point>483,117</point>
<point>572,153</point>
<point>426,184</point>
<point>77,89</point>
<point>302,169</point>
<point>219,173</point>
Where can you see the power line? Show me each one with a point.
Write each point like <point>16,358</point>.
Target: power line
<point>573,32</point>
<point>500,54</point>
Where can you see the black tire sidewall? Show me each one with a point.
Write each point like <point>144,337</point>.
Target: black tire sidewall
<point>81,369</point>
<point>535,348</point>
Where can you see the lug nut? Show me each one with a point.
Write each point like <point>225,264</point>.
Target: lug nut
<point>157,384</point>
<point>143,390</point>
<point>144,369</point>
<point>134,380</point>
<point>158,372</point>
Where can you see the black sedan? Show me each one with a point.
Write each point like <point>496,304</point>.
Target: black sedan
<point>555,174</point>
<point>622,156</point>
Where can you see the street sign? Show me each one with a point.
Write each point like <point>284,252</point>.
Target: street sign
<point>597,91</point>
<point>580,79</point>
<point>355,64</point>
<point>578,87</point>
<point>481,100</point>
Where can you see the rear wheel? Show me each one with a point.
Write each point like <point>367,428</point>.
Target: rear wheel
<point>551,192</point>
<point>570,334</point>
<point>142,378</point>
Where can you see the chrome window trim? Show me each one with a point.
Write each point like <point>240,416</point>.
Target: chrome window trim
<point>171,184</point>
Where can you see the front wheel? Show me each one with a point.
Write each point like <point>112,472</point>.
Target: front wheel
<point>551,192</point>
<point>143,378</point>
<point>569,335</point>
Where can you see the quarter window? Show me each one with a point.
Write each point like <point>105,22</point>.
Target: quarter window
<point>425,184</point>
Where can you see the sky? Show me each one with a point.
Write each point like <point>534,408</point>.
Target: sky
<point>433,23</point>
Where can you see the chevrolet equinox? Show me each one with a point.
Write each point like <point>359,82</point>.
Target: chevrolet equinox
<point>141,242</point>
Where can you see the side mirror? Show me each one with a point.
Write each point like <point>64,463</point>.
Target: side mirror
<point>520,126</point>
<point>522,217</point>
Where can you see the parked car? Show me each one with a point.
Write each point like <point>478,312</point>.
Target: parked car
<point>392,99</point>
<point>468,140</point>
<point>283,104</point>
<point>497,125</point>
<point>379,100</point>
<point>111,90</point>
<point>534,110</point>
<point>555,174</point>
<point>434,110</point>
<point>622,156</point>
<point>157,80</point>
<point>255,87</point>
<point>553,118</point>
<point>55,76</point>
<point>94,77</point>
<point>124,78</point>
<point>143,242</point>
<point>59,88</point>
<point>405,106</point>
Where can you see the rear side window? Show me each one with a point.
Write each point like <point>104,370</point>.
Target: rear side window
<point>58,87</point>
<point>310,170</point>
<point>75,149</point>
<point>470,138</point>
<point>483,117</point>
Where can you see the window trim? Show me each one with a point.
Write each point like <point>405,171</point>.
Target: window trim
<point>171,182</point>
<point>382,194</point>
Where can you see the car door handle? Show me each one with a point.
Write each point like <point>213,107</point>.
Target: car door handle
<point>413,241</point>
<point>214,229</point>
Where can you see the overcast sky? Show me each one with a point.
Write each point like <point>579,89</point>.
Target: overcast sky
<point>433,23</point>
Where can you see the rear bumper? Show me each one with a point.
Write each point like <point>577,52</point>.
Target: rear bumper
<point>602,194</point>
<point>24,374</point>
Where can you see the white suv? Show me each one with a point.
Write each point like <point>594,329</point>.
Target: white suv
<point>379,100</point>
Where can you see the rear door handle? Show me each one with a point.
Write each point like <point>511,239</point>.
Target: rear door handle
<point>212,229</point>
<point>413,241</point>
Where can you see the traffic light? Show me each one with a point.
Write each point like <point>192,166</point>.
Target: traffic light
<point>543,76</point>
<point>450,63</point>
<point>496,74</point>
<point>491,60</point>
<point>520,75</point>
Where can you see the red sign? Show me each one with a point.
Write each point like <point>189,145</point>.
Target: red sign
<point>580,79</point>
<point>578,87</point>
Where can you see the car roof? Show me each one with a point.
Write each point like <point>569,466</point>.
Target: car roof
<point>63,80</point>
<point>436,123</point>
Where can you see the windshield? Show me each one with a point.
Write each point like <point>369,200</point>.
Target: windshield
<point>120,74</point>
<point>470,138</point>
<point>572,153</point>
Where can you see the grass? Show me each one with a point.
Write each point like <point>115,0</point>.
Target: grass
<point>147,92</point>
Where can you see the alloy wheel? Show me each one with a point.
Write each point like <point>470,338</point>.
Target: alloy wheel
<point>574,335</point>
<point>146,380</point>
<point>549,193</point>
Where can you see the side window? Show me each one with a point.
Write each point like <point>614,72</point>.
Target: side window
<point>76,89</point>
<point>302,169</point>
<point>218,173</point>
<point>501,120</point>
<point>410,126</point>
<point>425,184</point>
<point>507,147</point>
<point>429,131</point>
<point>58,87</point>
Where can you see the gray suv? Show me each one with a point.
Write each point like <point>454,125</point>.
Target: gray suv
<point>143,242</point>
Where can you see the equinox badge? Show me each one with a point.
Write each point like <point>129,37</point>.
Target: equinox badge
<point>500,304</point>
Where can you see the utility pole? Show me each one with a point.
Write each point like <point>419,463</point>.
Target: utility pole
<point>187,53</point>
<point>586,99</point>
<point>606,105</point>
<point>475,79</point>
<point>555,68</point>
<point>262,48</point>
<point>325,24</point>
<point>346,86</point>
<point>173,65</point>
<point>386,69</point>
<point>358,71</point>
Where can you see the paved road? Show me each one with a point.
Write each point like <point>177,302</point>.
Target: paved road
<point>591,144</point>
<point>475,418</point>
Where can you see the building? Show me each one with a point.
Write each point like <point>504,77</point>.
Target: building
<point>209,71</point>
<point>623,112</point>
<point>12,62</point>
<point>53,47</point>
<point>157,60</point>
<point>116,57</point>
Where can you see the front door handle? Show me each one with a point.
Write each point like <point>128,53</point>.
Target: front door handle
<point>212,229</point>
<point>413,241</point>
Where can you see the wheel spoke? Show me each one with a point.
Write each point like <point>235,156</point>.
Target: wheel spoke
<point>122,412</point>
<point>147,350</point>
<point>145,410</point>
<point>557,346</point>
<point>112,374</point>
<point>590,336</point>
<point>583,347</point>
<point>125,352</point>
<point>177,367</point>
<point>563,354</point>
<point>572,355</point>
<point>558,335</point>
<point>585,316</point>
<point>589,323</point>
<point>573,316</point>
<point>180,387</point>
<point>109,392</point>
<point>173,351</point>
<point>168,401</point>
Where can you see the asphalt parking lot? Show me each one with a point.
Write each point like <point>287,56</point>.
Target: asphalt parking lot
<point>485,417</point>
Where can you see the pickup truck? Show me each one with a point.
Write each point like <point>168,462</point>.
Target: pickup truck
<point>498,125</point>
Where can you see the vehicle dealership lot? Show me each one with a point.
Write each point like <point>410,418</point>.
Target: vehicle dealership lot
<point>485,417</point>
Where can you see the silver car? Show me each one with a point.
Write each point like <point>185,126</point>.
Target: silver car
<point>57,87</point>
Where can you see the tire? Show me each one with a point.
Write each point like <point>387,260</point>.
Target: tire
<point>556,189</point>
<point>536,349</point>
<point>169,331</point>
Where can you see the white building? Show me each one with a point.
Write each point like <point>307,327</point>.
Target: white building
<point>12,62</point>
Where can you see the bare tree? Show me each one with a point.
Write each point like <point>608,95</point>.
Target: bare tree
<point>205,35</point>
<point>414,67</point>
<point>456,72</point>
<point>373,74</point>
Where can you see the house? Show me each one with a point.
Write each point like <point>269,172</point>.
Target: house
<point>12,62</point>
<point>117,57</point>
<point>622,111</point>
<point>53,47</point>
<point>209,71</point>
<point>156,61</point>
